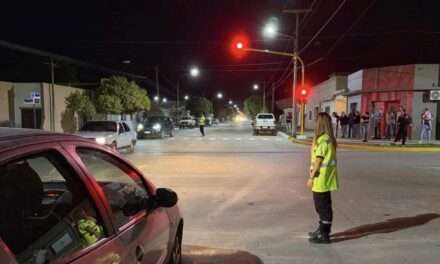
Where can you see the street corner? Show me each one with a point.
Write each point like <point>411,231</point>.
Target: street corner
<point>205,255</point>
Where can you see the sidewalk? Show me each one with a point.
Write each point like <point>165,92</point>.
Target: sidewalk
<point>376,144</point>
<point>204,255</point>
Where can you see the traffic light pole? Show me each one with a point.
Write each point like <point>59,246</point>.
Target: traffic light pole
<point>296,59</point>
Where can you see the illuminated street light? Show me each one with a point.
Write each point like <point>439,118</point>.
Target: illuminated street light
<point>186,97</point>
<point>164,100</point>
<point>156,98</point>
<point>270,30</point>
<point>235,106</point>
<point>194,72</point>
<point>230,102</point>
<point>256,87</point>
<point>219,95</point>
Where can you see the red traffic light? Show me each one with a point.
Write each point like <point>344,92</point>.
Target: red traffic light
<point>238,46</point>
<point>303,92</point>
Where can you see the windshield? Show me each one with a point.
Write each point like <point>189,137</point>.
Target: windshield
<point>265,116</point>
<point>107,126</point>
<point>154,119</point>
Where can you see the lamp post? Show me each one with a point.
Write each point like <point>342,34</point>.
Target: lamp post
<point>194,72</point>
<point>257,87</point>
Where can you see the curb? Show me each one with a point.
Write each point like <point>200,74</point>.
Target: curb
<point>373,148</point>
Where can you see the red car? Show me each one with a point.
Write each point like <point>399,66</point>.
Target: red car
<point>66,199</point>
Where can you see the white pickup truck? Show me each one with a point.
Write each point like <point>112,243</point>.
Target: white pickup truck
<point>265,123</point>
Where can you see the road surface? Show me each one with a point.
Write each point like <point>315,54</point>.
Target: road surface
<point>244,192</point>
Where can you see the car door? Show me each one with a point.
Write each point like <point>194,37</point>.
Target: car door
<point>145,236</point>
<point>43,218</point>
<point>122,139</point>
<point>130,134</point>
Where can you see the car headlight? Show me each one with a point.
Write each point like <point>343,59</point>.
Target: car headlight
<point>157,127</point>
<point>140,127</point>
<point>100,140</point>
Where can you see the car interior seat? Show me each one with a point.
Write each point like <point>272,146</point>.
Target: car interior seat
<point>21,194</point>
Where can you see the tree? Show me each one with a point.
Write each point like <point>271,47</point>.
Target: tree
<point>118,95</point>
<point>196,105</point>
<point>253,105</point>
<point>80,104</point>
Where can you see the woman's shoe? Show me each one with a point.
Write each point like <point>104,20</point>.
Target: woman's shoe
<point>320,239</point>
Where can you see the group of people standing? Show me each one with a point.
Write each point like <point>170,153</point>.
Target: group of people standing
<point>358,126</point>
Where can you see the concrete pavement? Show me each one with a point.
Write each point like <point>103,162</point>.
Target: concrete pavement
<point>249,195</point>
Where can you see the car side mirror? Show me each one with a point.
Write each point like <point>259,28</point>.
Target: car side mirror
<point>166,198</point>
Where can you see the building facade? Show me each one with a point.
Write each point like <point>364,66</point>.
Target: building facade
<point>36,105</point>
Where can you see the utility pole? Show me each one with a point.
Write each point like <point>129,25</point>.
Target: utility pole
<point>156,69</point>
<point>52,95</point>
<point>297,13</point>
<point>273,99</point>
<point>264,95</point>
<point>177,92</point>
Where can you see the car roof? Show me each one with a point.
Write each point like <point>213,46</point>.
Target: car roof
<point>19,137</point>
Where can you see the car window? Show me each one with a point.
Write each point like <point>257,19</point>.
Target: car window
<point>126,127</point>
<point>99,126</point>
<point>121,128</point>
<point>265,117</point>
<point>119,182</point>
<point>46,212</point>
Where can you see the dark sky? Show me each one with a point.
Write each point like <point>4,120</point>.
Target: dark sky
<point>180,33</point>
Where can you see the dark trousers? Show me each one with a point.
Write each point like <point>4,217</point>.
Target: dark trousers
<point>401,134</point>
<point>202,130</point>
<point>323,206</point>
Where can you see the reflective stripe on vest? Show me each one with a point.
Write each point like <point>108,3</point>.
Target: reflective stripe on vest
<point>331,163</point>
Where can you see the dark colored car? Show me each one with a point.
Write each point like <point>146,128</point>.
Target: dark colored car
<point>155,126</point>
<point>66,199</point>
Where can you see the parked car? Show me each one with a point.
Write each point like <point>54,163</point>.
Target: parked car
<point>66,199</point>
<point>117,134</point>
<point>187,121</point>
<point>265,123</point>
<point>155,126</point>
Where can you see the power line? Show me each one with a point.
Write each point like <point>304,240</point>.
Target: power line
<point>324,26</point>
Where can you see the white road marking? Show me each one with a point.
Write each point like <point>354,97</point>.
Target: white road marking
<point>185,138</point>
<point>211,138</point>
<point>265,139</point>
<point>225,139</point>
<point>252,139</point>
<point>238,139</point>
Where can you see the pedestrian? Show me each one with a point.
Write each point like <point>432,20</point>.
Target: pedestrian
<point>350,124</point>
<point>377,116</point>
<point>391,120</point>
<point>336,117</point>
<point>344,123</point>
<point>365,126</point>
<point>403,122</point>
<point>323,178</point>
<point>357,125</point>
<point>202,122</point>
<point>426,127</point>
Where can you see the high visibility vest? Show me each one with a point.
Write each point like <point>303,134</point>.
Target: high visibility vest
<point>202,120</point>
<point>327,180</point>
<point>89,231</point>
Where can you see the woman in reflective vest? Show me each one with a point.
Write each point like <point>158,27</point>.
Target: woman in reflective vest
<point>323,176</point>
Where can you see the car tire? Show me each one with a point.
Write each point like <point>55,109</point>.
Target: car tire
<point>114,146</point>
<point>274,133</point>
<point>176,253</point>
<point>131,147</point>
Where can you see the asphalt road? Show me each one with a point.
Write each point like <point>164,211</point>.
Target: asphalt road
<point>244,192</point>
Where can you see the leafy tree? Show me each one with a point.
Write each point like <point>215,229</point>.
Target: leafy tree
<point>119,95</point>
<point>196,105</point>
<point>81,104</point>
<point>253,105</point>
<point>108,104</point>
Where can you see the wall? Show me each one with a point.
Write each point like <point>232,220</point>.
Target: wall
<point>426,75</point>
<point>23,91</point>
<point>63,121</point>
<point>5,89</point>
<point>355,81</point>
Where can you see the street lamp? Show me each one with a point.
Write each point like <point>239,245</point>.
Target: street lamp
<point>256,87</point>
<point>186,97</point>
<point>219,96</point>
<point>164,100</point>
<point>156,98</point>
<point>230,102</point>
<point>194,71</point>
<point>270,30</point>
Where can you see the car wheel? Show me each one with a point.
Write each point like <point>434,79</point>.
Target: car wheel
<point>176,254</point>
<point>114,146</point>
<point>131,147</point>
<point>274,133</point>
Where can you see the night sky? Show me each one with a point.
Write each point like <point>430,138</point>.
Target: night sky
<point>177,34</point>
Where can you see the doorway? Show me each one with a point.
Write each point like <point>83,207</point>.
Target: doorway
<point>31,119</point>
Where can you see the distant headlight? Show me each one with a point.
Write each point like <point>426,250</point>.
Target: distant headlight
<point>140,127</point>
<point>100,140</point>
<point>157,127</point>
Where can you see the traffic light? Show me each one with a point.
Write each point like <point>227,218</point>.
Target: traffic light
<point>303,94</point>
<point>238,46</point>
